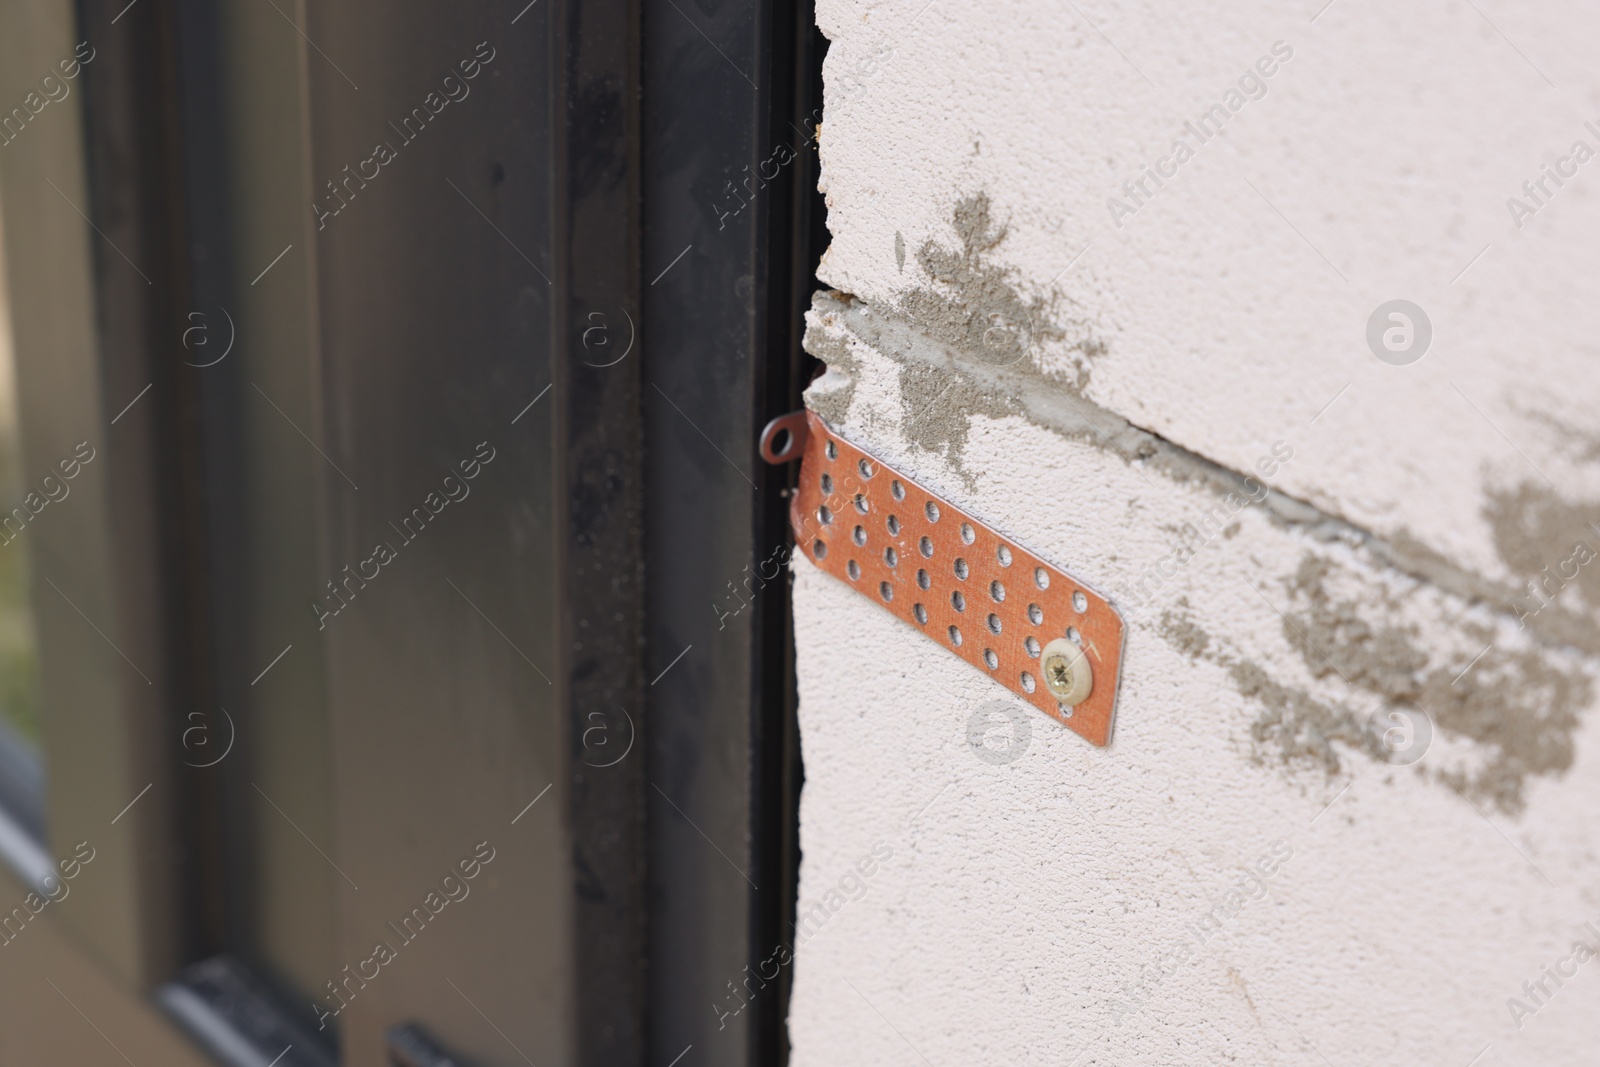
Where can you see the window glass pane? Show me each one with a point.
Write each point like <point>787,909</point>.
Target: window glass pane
<point>21,777</point>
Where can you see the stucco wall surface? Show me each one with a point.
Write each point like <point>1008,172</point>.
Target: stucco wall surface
<point>1232,303</point>
<point>1350,811</point>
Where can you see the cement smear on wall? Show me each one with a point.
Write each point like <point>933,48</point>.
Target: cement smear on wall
<point>962,355</point>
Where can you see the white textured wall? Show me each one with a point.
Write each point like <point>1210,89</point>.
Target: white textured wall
<point>1089,389</point>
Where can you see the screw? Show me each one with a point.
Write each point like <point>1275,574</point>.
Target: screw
<point>1067,673</point>
<point>1058,674</point>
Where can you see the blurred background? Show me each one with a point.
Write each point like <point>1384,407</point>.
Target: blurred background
<point>379,391</point>
<point>21,779</point>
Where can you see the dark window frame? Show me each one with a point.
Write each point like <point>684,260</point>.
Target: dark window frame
<point>657,110</point>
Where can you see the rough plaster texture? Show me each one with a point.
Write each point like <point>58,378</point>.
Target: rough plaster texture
<point>1113,408</point>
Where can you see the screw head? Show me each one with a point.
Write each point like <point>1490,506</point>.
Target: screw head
<point>1067,673</point>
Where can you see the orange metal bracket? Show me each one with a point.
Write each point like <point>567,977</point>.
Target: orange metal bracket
<point>974,591</point>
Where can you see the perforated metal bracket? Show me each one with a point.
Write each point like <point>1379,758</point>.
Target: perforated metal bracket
<point>1030,626</point>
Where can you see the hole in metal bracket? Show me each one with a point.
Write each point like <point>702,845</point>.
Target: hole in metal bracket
<point>784,438</point>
